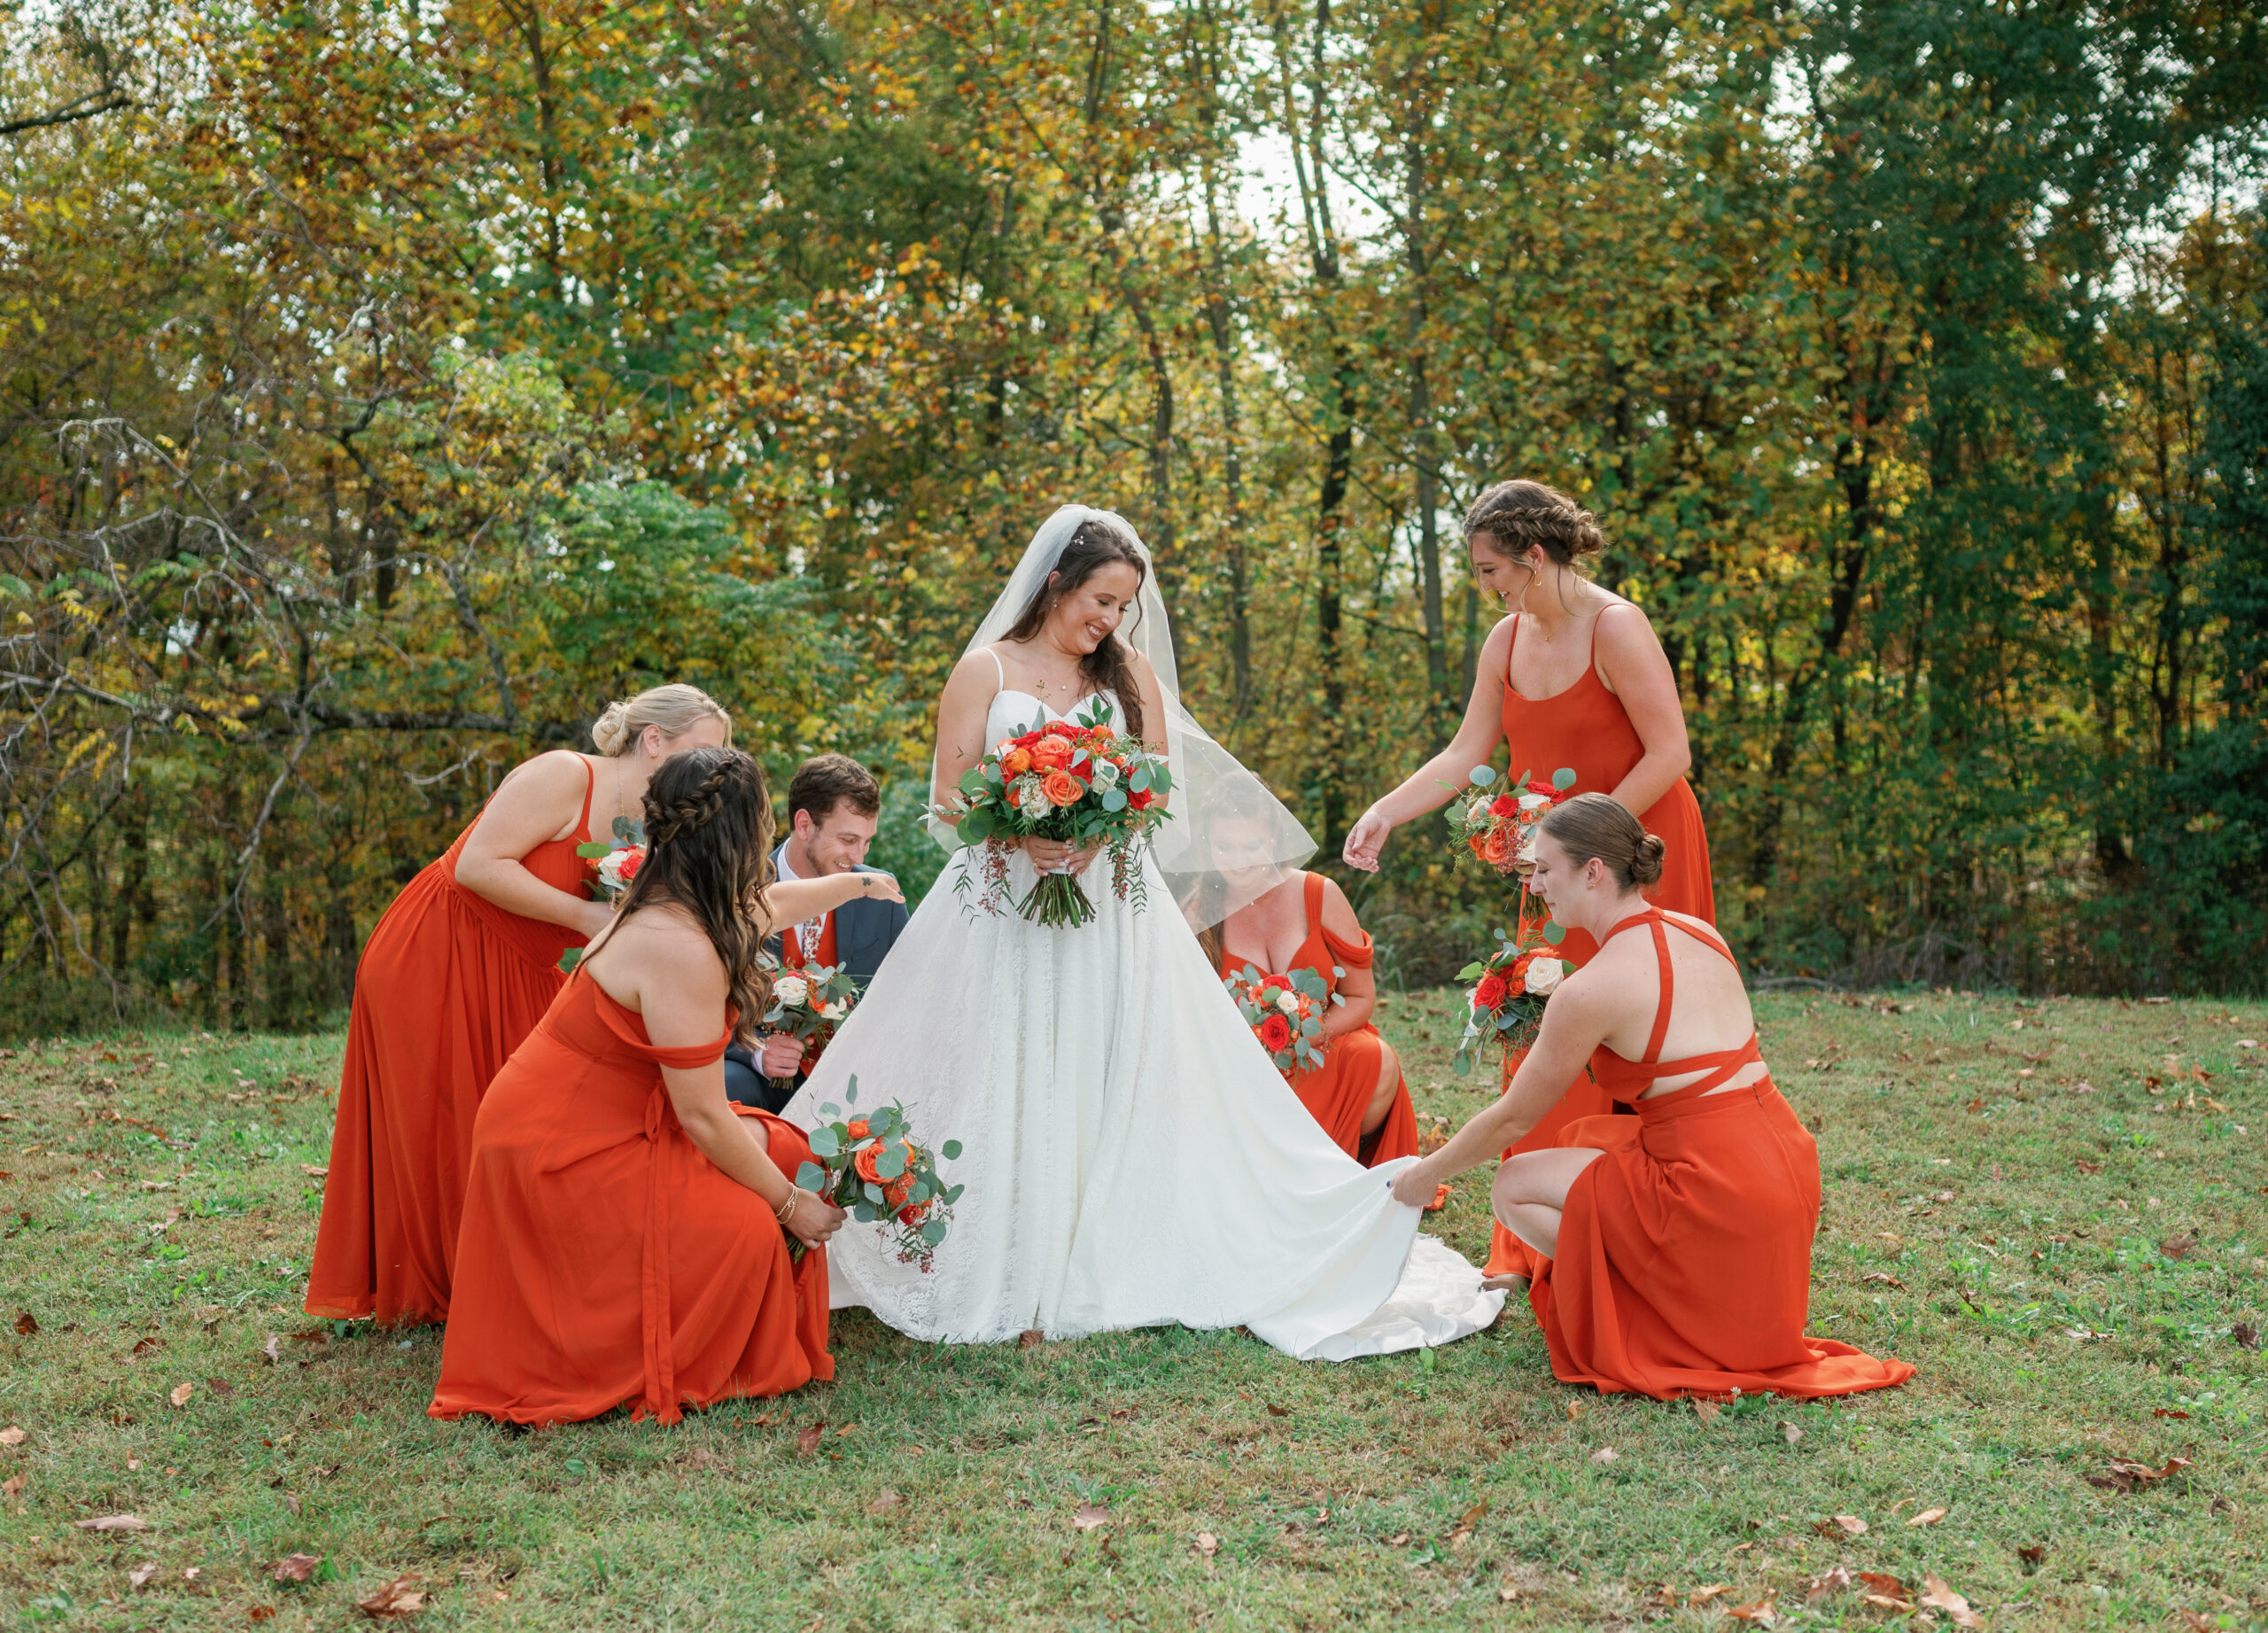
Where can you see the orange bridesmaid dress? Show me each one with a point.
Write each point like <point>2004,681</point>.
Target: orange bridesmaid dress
<point>1586,728</point>
<point>1337,1092</point>
<point>604,1260</point>
<point>448,986</point>
<point>1684,1262</point>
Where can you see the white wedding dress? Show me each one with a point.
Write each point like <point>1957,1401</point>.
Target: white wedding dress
<point>1132,1157</point>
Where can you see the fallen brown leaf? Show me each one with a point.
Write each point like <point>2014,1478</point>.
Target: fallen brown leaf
<point>315,1173</point>
<point>1928,1516</point>
<point>140,1576</point>
<point>1471,1517</point>
<point>142,1347</point>
<point>114,1522</point>
<point>2166,1411</point>
<point>1886,1601</point>
<point>1836,1579</point>
<point>273,1350</point>
<point>1885,1278</point>
<point>1789,1431</point>
<point>1852,1523</point>
<point>295,1566</point>
<point>1274,1410</point>
<point>27,1323</point>
<point>1208,1544</point>
<point>1087,1516</point>
<point>1602,1456</point>
<point>13,1487</point>
<point>401,1597</point>
<point>1706,1410</point>
<point>259,1612</point>
<point>1702,1596</point>
<point>1759,1612</point>
<point>1574,1411</point>
<point>1031,1338</point>
<point>884,1501</point>
<point>219,1386</point>
<point>2085,1167</point>
<point>2033,1557</point>
<point>1400,1539</point>
<point>1881,1582</point>
<point>180,1393</point>
<point>2179,1247</point>
<point>807,1443</point>
<point>12,1436</point>
<point>1937,1596</point>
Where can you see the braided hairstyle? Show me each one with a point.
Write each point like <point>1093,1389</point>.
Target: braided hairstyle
<point>708,849</point>
<point>1515,515</point>
<point>1093,546</point>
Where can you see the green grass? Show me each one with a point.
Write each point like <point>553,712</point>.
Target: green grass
<point>156,1198</point>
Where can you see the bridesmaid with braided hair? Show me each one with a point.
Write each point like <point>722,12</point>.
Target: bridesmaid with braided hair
<point>1573,678</point>
<point>626,1226</point>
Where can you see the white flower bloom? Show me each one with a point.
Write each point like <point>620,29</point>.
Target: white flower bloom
<point>1288,1001</point>
<point>790,991</point>
<point>1476,812</point>
<point>1530,803</point>
<point>837,1010</point>
<point>1544,975</point>
<point>1106,773</point>
<point>610,867</point>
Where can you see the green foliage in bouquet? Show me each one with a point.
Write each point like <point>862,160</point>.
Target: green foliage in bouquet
<point>872,1166</point>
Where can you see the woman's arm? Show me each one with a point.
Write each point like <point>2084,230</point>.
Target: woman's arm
<point>1634,668</point>
<point>539,798</point>
<point>1575,1023</point>
<point>794,900</point>
<point>681,997</point>
<point>1356,986</point>
<point>961,710</point>
<point>1438,781</point>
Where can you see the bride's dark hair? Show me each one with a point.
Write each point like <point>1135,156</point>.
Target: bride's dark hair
<point>1096,545</point>
<point>709,849</point>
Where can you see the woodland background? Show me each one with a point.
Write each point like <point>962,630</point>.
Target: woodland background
<point>384,386</point>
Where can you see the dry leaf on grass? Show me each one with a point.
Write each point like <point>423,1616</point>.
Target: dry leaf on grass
<point>295,1566</point>
<point>27,1323</point>
<point>1937,1596</point>
<point>13,1487</point>
<point>1928,1516</point>
<point>2166,1411</point>
<point>1835,1579</point>
<point>140,1576</point>
<point>315,1173</point>
<point>1400,1539</point>
<point>2125,1476</point>
<point>144,1346</point>
<point>1031,1338</point>
<point>1274,1410</point>
<point>273,1350</point>
<point>1574,1411</point>
<point>1702,1596</point>
<point>1789,1431</point>
<point>807,1443</point>
<point>2033,1557</point>
<point>1885,1278</point>
<point>401,1597</point>
<point>884,1501</point>
<point>1602,1456</point>
<point>1852,1523</point>
<point>180,1393</point>
<point>1469,1518</point>
<point>1759,1612</point>
<point>1706,1410</point>
<point>2179,1247</point>
<point>1208,1544</point>
<point>1087,1516</point>
<point>12,1436</point>
<point>114,1522</point>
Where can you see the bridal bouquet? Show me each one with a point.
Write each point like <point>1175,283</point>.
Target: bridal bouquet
<point>1285,1014</point>
<point>1500,829</point>
<point>1079,781</point>
<point>808,1003</point>
<point>613,868</point>
<point>1510,987</point>
<point>872,1166</point>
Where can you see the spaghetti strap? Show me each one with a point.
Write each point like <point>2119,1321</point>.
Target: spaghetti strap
<point>1510,647</point>
<point>999,668</point>
<point>590,786</point>
<point>1595,622</point>
<point>1312,898</point>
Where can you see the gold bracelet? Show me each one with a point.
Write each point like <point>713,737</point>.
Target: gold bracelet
<point>789,1207</point>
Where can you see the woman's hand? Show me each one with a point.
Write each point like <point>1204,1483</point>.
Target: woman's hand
<point>1058,855</point>
<point>596,916</point>
<point>813,1218</point>
<point>1366,839</point>
<point>1415,1185</point>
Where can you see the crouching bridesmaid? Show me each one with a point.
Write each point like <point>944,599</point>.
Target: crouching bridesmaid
<point>627,1229</point>
<point>1675,1246</point>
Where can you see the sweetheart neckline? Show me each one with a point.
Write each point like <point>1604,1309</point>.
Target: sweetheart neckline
<point>1014,691</point>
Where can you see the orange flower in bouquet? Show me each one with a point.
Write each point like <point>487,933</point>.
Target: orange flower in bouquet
<point>872,1166</point>
<point>1285,1014</point>
<point>1499,829</point>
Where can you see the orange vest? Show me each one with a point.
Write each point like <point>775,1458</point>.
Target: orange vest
<point>791,947</point>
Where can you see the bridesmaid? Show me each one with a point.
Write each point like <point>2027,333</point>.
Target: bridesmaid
<point>457,972</point>
<point>1672,1248</point>
<point>1575,679</point>
<point>627,1226</point>
<point>1306,922</point>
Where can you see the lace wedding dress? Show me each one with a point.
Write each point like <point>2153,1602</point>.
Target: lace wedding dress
<point>1132,1157</point>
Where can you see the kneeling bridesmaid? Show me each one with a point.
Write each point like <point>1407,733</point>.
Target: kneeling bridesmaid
<point>1675,1246</point>
<point>626,1229</point>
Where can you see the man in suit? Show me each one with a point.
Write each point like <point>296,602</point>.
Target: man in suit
<point>834,806</point>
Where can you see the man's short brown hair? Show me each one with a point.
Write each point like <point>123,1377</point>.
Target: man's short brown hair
<point>827,780</point>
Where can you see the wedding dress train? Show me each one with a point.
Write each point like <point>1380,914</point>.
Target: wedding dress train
<point>1132,1157</point>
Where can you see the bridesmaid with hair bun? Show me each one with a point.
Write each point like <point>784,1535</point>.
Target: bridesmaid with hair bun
<point>1573,678</point>
<point>455,975</point>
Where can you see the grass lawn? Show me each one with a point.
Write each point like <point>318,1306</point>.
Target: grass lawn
<point>2055,1209</point>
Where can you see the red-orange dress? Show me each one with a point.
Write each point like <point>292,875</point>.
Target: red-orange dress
<point>1586,728</point>
<point>1684,1262</point>
<point>1337,1092</point>
<point>604,1260</point>
<point>449,985</point>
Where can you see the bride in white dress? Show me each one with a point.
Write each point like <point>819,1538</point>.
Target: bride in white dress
<point>1132,1157</point>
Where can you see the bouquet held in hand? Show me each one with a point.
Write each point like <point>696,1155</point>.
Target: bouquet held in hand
<point>1510,989</point>
<point>1285,1014</point>
<point>872,1166</point>
<point>1080,780</point>
<point>808,1003</point>
<point>613,866</point>
<point>1499,828</point>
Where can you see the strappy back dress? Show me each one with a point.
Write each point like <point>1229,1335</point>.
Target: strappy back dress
<point>450,984</point>
<point>1684,1261</point>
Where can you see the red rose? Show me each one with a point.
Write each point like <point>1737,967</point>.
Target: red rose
<point>1546,789</point>
<point>1490,993</point>
<point>1504,805</point>
<point>1141,799</point>
<point>1276,1034</point>
<point>910,1216</point>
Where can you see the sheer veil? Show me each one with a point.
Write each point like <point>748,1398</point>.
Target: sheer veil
<point>1209,783</point>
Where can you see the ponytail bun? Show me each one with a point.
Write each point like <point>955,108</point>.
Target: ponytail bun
<point>1646,863</point>
<point>611,730</point>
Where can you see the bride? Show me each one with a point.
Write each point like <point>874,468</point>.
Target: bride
<point>1131,1158</point>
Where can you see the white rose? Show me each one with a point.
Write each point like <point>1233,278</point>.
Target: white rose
<point>1530,803</point>
<point>790,991</point>
<point>1476,812</point>
<point>1106,773</point>
<point>837,1010</point>
<point>1288,1001</point>
<point>1544,975</point>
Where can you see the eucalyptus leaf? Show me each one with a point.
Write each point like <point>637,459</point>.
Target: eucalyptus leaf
<point>934,1232</point>
<point>1563,778</point>
<point>811,1177</point>
<point>825,1142</point>
<point>1483,775</point>
<point>950,1150</point>
<point>1554,934</point>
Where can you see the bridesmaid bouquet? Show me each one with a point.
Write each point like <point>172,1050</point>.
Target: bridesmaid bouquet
<point>808,1003</point>
<point>1285,1014</point>
<point>1079,781</point>
<point>1500,829</point>
<point>615,865</point>
<point>872,1166</point>
<point>1510,987</point>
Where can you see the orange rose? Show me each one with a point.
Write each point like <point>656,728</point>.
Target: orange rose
<point>1051,753</point>
<point>1061,789</point>
<point>864,1163</point>
<point>860,1129</point>
<point>1015,762</point>
<point>1497,848</point>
